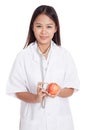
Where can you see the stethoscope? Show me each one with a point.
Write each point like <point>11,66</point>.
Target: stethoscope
<point>43,74</point>
<point>44,85</point>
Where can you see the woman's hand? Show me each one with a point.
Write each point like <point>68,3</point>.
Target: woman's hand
<point>41,92</point>
<point>63,92</point>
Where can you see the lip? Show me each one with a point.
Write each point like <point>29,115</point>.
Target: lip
<point>43,37</point>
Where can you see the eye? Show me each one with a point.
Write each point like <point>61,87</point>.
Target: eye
<point>49,26</point>
<point>38,26</point>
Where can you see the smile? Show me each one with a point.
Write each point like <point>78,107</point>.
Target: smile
<point>43,37</point>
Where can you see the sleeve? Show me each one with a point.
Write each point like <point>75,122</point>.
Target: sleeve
<point>17,78</point>
<point>71,78</point>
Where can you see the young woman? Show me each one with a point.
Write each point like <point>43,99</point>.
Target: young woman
<point>41,62</point>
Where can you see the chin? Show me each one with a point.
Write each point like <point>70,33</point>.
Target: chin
<point>44,42</point>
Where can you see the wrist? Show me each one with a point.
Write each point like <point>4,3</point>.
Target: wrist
<point>35,98</point>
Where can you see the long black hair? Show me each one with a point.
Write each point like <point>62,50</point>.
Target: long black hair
<point>51,13</point>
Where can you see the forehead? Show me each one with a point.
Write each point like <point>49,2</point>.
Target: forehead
<point>43,18</point>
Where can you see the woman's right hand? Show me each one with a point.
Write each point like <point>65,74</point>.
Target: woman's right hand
<point>41,93</point>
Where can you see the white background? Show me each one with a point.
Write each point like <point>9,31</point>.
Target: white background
<point>14,23</point>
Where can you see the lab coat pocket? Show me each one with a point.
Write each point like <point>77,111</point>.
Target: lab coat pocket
<point>29,124</point>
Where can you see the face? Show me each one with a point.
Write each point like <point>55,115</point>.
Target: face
<point>44,29</point>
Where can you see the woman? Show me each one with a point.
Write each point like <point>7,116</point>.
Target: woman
<point>41,62</point>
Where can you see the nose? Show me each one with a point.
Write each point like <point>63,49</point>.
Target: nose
<point>43,31</point>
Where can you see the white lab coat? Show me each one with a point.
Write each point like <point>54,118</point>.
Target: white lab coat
<point>24,77</point>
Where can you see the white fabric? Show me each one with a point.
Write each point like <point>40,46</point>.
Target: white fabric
<point>24,77</point>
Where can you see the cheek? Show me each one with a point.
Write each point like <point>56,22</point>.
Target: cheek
<point>35,32</point>
<point>52,34</point>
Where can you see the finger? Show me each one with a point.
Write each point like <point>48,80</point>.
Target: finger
<point>58,92</point>
<point>43,94</point>
<point>50,95</point>
<point>40,84</point>
<point>39,90</point>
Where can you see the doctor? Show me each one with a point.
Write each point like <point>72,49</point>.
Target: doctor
<point>43,60</point>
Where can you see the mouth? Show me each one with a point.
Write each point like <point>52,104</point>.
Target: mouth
<point>43,37</point>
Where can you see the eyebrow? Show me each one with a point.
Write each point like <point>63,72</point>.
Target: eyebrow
<point>46,24</point>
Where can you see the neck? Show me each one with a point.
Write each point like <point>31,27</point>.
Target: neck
<point>44,48</point>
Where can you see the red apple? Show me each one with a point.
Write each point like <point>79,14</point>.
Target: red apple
<point>53,88</point>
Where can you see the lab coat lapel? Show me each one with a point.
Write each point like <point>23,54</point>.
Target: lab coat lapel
<point>51,61</point>
<point>35,54</point>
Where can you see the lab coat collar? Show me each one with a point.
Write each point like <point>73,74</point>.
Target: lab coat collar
<point>36,53</point>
